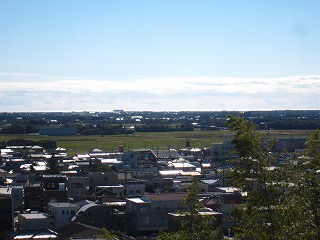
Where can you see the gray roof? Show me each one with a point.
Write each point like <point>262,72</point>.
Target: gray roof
<point>172,153</point>
<point>37,215</point>
<point>63,204</point>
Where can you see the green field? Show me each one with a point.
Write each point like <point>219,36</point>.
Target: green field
<point>153,140</point>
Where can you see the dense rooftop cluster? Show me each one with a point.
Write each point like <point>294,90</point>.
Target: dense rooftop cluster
<point>132,193</point>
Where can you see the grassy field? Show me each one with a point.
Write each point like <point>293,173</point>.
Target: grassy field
<point>163,140</point>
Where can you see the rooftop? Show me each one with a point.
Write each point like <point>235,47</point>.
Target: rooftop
<point>35,215</point>
<point>165,196</point>
<point>62,204</point>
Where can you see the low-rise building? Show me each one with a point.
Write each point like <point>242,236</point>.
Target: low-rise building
<point>6,213</point>
<point>77,186</point>
<point>35,220</point>
<point>62,213</point>
<point>102,215</point>
<point>150,212</point>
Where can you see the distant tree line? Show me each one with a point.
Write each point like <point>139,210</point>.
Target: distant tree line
<point>46,144</point>
<point>163,128</point>
<point>296,124</point>
<point>106,123</point>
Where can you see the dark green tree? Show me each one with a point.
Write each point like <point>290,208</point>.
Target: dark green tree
<point>53,164</point>
<point>277,205</point>
<point>194,225</point>
<point>312,169</point>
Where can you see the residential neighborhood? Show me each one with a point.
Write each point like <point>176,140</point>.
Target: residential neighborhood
<point>136,193</point>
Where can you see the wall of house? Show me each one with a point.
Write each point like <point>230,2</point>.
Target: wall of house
<point>131,158</point>
<point>135,189</point>
<point>103,179</point>
<point>62,214</point>
<point>100,216</point>
<point>150,216</point>
<point>25,221</point>
<point>77,186</point>
<point>6,213</point>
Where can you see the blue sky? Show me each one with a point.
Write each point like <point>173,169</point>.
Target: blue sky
<point>170,55</point>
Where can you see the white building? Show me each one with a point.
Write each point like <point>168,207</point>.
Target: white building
<point>62,213</point>
<point>223,151</point>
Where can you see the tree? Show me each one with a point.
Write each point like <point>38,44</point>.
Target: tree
<point>108,235</point>
<point>193,224</point>
<point>312,165</point>
<point>277,205</point>
<point>53,164</point>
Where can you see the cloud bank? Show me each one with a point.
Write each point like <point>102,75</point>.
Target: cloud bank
<point>36,92</point>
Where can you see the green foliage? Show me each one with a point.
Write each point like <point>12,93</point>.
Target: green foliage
<point>313,150</point>
<point>193,224</point>
<point>47,144</point>
<point>282,202</point>
<point>3,144</point>
<point>108,235</point>
<point>53,165</point>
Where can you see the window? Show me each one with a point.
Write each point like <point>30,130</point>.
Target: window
<point>62,212</point>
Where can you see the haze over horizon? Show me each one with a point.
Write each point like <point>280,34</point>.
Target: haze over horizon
<point>166,55</point>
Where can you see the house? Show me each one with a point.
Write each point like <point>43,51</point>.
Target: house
<point>144,172</point>
<point>131,159</point>
<point>109,215</point>
<point>109,162</point>
<point>35,220</point>
<point>54,189</point>
<point>169,154</point>
<point>60,152</point>
<point>39,233</point>
<point>6,213</point>
<point>286,144</point>
<point>150,212</point>
<point>107,179</point>
<point>16,193</point>
<point>223,151</point>
<point>75,230</point>
<point>33,197</point>
<point>109,192</point>
<point>77,187</point>
<point>36,153</point>
<point>174,219</point>
<point>223,200</point>
<point>209,185</point>
<point>181,164</point>
<point>174,174</point>
<point>135,188</point>
<point>155,182</point>
<point>62,213</point>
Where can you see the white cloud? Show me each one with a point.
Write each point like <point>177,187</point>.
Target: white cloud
<point>36,92</point>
